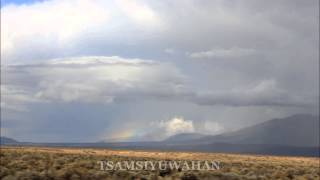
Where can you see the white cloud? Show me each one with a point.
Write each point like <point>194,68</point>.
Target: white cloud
<point>233,52</point>
<point>57,28</point>
<point>155,132</point>
<point>177,125</point>
<point>140,13</point>
<point>49,23</point>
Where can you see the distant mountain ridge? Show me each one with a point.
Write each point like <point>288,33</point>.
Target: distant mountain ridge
<point>184,137</point>
<point>298,130</point>
<point>296,135</point>
<point>6,140</point>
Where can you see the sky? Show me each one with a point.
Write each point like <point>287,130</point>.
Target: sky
<point>138,70</point>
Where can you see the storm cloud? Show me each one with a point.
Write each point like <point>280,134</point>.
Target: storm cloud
<point>117,69</point>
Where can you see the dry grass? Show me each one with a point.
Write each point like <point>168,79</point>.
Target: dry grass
<point>81,163</point>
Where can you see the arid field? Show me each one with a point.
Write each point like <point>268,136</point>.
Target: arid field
<point>81,163</point>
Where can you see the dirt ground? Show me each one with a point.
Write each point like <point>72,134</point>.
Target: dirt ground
<point>81,163</point>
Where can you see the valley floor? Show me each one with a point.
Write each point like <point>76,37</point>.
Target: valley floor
<point>82,163</point>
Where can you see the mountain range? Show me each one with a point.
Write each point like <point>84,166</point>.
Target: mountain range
<point>296,135</point>
<point>297,130</point>
<point>6,140</point>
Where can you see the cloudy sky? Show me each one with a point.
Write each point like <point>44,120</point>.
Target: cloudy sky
<point>130,70</point>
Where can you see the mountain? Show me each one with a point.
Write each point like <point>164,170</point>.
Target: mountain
<point>6,140</point>
<point>298,130</point>
<point>296,135</point>
<point>184,137</point>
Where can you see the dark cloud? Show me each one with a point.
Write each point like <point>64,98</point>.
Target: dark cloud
<point>213,62</point>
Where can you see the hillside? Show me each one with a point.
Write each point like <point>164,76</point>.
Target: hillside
<point>297,130</point>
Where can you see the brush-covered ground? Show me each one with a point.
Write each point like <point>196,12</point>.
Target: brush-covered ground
<point>81,163</point>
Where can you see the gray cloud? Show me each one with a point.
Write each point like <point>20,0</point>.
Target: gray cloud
<point>266,93</point>
<point>114,79</point>
<point>233,52</point>
<point>233,63</point>
<point>94,79</point>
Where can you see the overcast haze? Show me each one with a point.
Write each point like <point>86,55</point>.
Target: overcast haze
<point>91,70</point>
